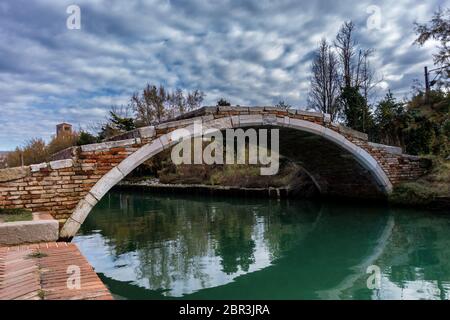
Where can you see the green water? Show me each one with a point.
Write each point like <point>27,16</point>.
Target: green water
<point>147,246</point>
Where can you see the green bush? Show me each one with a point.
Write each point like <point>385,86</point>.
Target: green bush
<point>446,128</point>
<point>86,138</point>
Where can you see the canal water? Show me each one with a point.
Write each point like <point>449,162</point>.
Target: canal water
<point>147,246</point>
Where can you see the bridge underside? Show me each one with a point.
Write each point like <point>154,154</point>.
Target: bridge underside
<point>334,170</point>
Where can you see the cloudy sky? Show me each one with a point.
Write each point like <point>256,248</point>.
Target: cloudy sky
<point>250,52</point>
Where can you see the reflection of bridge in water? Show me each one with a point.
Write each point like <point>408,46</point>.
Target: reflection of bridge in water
<point>316,251</point>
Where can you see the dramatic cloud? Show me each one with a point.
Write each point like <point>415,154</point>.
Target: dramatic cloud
<point>250,52</point>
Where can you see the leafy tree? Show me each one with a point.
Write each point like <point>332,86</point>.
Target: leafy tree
<point>446,128</point>
<point>438,29</point>
<point>117,122</point>
<point>391,119</point>
<point>420,136</point>
<point>223,103</point>
<point>426,132</point>
<point>86,138</point>
<point>121,123</point>
<point>356,111</point>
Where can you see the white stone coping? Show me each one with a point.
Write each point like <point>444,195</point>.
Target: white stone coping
<point>109,145</point>
<point>37,167</point>
<point>61,164</point>
<point>390,149</point>
<point>352,132</point>
<point>204,117</point>
<point>147,132</point>
<point>54,165</point>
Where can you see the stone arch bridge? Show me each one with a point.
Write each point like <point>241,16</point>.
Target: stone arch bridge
<point>340,161</point>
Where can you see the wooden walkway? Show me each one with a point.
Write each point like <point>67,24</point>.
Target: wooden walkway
<point>47,271</point>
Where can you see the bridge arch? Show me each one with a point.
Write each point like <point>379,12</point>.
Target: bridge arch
<point>166,141</point>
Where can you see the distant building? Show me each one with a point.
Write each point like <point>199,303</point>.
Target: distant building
<point>63,129</point>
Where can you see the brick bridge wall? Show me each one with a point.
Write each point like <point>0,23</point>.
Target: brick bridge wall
<point>58,186</point>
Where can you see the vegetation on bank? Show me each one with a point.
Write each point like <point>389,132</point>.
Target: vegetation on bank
<point>246,176</point>
<point>12,215</point>
<point>432,189</point>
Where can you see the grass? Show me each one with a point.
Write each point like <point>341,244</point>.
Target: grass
<point>13,215</point>
<point>233,175</point>
<point>37,255</point>
<point>41,294</point>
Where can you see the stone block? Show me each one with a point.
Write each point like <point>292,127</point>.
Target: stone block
<point>207,118</point>
<point>38,167</point>
<point>309,113</point>
<point>256,109</point>
<point>273,109</point>
<point>233,109</point>
<point>69,229</point>
<point>354,133</point>
<point>108,145</point>
<point>250,120</point>
<point>235,121</point>
<point>11,174</point>
<point>284,121</point>
<point>21,232</point>
<point>178,123</point>
<point>390,149</point>
<point>269,119</point>
<point>61,164</point>
<point>81,211</point>
<point>147,132</point>
<point>219,124</point>
<point>108,181</point>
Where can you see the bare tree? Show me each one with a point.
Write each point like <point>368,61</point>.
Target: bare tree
<point>354,61</point>
<point>142,108</point>
<point>345,45</point>
<point>367,79</point>
<point>156,104</point>
<point>177,102</point>
<point>194,100</point>
<point>283,105</point>
<point>150,106</point>
<point>325,85</point>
